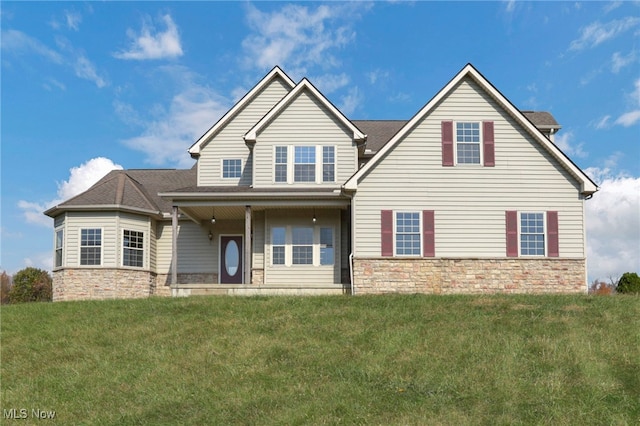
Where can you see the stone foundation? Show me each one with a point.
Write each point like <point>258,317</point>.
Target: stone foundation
<point>97,283</point>
<point>257,276</point>
<point>469,276</point>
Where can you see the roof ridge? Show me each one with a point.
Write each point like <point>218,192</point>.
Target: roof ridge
<point>140,189</point>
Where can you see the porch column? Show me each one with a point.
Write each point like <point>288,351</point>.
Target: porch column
<point>174,246</point>
<point>247,245</point>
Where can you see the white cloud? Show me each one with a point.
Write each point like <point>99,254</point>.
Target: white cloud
<point>85,69</point>
<point>565,143</point>
<point>632,117</point>
<point>619,61</point>
<point>299,37</point>
<point>596,33</point>
<point>613,225</point>
<point>628,119</point>
<point>81,178</point>
<point>42,260</point>
<point>375,76</point>
<point>168,133</point>
<point>158,45</point>
<point>603,123</point>
<point>73,20</point>
<point>350,101</point>
<point>330,82</point>
<point>20,43</point>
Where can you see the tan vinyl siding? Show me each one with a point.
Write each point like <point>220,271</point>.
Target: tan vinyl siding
<point>196,254</point>
<point>258,239</point>
<point>153,245</point>
<point>469,201</point>
<point>302,274</point>
<point>229,143</point>
<point>89,220</point>
<point>136,223</point>
<point>305,121</point>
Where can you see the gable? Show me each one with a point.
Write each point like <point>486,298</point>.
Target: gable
<point>473,92</point>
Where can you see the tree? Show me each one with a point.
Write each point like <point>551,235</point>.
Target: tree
<point>601,288</point>
<point>629,283</point>
<point>5,286</point>
<point>31,285</point>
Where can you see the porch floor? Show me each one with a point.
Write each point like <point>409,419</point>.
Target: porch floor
<point>183,290</point>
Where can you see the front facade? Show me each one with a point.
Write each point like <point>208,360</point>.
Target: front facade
<point>288,196</point>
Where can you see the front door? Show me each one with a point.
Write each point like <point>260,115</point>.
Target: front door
<point>231,259</point>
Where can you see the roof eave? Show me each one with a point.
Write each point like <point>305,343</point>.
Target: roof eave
<point>59,209</point>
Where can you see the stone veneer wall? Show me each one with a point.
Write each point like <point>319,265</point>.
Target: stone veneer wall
<point>257,276</point>
<point>99,283</point>
<point>469,276</point>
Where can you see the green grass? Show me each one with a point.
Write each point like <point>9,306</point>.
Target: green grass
<point>326,360</point>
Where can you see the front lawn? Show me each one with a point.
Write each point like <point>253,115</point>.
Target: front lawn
<point>325,360</point>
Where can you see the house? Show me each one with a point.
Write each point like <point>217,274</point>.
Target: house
<point>289,196</point>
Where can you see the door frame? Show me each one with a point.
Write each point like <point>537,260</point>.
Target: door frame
<point>241,256</point>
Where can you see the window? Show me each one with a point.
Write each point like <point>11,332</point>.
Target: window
<point>302,246</point>
<point>58,247</point>
<point>408,234</point>
<point>90,246</point>
<point>280,172</point>
<point>133,248</point>
<point>231,168</point>
<point>326,246</point>
<point>304,166</point>
<point>468,143</point>
<point>532,234</point>
<point>277,245</point>
<point>328,164</point>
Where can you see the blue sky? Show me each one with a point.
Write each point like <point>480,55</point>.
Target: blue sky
<point>87,87</point>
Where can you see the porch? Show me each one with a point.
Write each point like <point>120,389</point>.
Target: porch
<point>293,242</point>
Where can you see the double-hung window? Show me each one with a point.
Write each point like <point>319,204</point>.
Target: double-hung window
<point>280,161</point>
<point>468,142</point>
<point>302,245</point>
<point>326,246</point>
<point>231,168</point>
<point>532,234</point>
<point>91,246</point>
<point>132,248</point>
<point>278,245</point>
<point>58,248</point>
<point>407,234</point>
<point>304,164</point>
<point>328,164</point>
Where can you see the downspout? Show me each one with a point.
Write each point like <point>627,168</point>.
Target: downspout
<point>353,288</point>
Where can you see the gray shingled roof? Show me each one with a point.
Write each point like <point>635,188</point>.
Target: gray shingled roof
<point>541,119</point>
<point>379,132</point>
<point>136,188</point>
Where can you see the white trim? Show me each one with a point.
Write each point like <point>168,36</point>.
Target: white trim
<point>195,149</point>
<point>222,160</point>
<point>587,185</point>
<point>305,84</point>
<point>122,248</point>
<point>240,254</point>
<point>80,247</point>
<point>420,232</point>
<point>480,144</point>
<point>544,232</point>
<point>62,229</point>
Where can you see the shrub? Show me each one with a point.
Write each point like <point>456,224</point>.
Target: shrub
<point>601,288</point>
<point>5,287</point>
<point>629,283</point>
<point>31,285</point>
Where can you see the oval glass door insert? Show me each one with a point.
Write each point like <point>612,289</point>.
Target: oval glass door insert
<point>231,258</point>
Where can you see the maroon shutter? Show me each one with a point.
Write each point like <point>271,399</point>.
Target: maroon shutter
<point>512,233</point>
<point>447,143</point>
<point>552,234</point>
<point>428,234</point>
<point>488,144</point>
<point>386,234</point>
